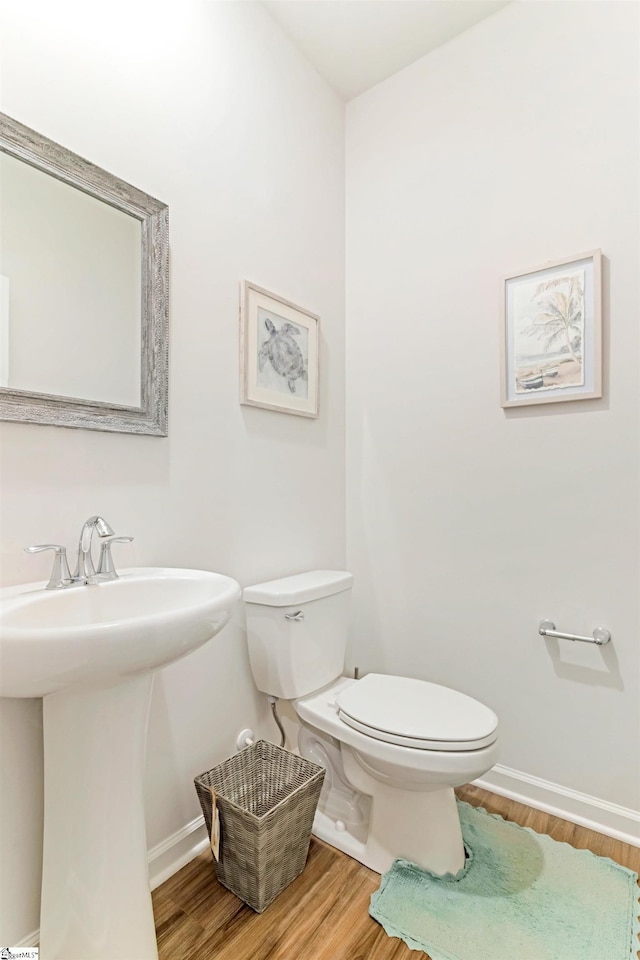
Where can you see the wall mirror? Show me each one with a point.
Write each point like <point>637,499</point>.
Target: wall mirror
<point>83,292</point>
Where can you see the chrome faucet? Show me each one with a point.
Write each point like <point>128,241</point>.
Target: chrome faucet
<point>85,570</point>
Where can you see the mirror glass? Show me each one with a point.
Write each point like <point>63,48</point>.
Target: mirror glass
<point>83,291</point>
<point>70,275</point>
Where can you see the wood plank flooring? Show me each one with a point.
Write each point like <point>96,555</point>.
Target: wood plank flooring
<point>323,914</point>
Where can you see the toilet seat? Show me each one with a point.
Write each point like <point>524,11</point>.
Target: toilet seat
<point>416,713</point>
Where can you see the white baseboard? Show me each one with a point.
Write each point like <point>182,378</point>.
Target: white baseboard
<point>176,851</point>
<point>31,941</point>
<point>600,815</point>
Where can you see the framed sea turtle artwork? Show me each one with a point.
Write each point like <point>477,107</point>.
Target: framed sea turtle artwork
<point>279,353</point>
<point>551,332</point>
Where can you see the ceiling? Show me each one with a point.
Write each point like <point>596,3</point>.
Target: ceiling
<point>355,44</point>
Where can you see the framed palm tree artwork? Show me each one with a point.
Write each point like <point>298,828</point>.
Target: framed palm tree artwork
<point>551,332</point>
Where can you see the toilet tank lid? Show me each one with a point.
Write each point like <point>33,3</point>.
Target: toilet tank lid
<point>301,588</point>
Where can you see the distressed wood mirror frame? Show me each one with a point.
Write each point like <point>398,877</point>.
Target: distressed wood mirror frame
<point>150,417</point>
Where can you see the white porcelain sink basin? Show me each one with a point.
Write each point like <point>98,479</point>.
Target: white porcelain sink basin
<point>51,640</point>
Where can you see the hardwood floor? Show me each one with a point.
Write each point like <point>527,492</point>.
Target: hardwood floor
<point>323,914</point>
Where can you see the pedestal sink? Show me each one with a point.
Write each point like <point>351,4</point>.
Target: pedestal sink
<point>90,652</point>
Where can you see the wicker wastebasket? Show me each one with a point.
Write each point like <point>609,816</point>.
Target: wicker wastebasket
<point>267,799</point>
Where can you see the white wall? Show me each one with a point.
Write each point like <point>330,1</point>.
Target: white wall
<point>513,144</point>
<point>208,107</point>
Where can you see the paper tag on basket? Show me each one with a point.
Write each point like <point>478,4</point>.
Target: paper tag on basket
<point>215,826</point>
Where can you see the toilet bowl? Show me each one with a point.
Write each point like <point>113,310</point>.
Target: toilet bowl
<point>413,811</point>
<point>394,747</point>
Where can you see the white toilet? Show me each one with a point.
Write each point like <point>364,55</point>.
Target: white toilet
<point>393,747</point>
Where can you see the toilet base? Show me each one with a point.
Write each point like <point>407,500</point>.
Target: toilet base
<point>376,822</point>
<point>439,849</point>
<point>422,826</point>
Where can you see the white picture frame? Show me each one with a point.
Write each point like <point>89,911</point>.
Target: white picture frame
<point>279,353</point>
<point>551,332</point>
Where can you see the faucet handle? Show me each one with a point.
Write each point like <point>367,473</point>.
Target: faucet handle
<point>60,575</point>
<point>106,569</point>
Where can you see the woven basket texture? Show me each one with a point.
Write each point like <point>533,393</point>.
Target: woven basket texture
<point>267,799</point>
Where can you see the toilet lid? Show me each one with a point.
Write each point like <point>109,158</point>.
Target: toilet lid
<point>416,713</point>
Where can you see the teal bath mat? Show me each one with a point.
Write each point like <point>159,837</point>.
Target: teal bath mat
<point>520,896</point>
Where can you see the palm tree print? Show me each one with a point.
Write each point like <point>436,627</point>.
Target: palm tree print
<point>560,322</point>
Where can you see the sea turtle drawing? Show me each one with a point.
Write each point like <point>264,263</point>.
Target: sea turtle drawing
<point>283,353</point>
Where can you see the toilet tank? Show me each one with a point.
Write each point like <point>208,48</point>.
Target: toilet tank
<point>297,631</point>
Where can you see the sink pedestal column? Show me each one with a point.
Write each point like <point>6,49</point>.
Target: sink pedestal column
<point>96,901</point>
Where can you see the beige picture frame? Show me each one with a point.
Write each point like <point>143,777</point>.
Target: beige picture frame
<point>551,332</point>
<point>279,353</point>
